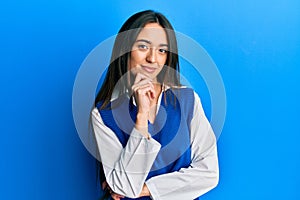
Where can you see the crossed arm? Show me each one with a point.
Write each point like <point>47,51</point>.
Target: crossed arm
<point>126,168</point>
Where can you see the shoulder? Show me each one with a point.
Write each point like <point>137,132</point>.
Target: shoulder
<point>180,91</point>
<point>95,116</point>
<point>186,99</point>
<point>115,102</point>
<point>183,93</point>
<point>189,98</point>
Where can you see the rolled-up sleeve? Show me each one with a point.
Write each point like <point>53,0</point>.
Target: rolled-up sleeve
<point>125,168</point>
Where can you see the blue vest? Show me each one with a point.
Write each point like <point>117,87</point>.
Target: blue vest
<point>171,128</point>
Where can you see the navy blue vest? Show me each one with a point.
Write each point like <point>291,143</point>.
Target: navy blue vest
<point>171,128</point>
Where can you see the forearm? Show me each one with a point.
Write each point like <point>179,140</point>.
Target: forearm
<point>203,173</point>
<point>187,183</point>
<point>125,168</point>
<point>129,172</point>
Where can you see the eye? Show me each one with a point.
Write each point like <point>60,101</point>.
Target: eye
<point>143,46</point>
<point>163,51</point>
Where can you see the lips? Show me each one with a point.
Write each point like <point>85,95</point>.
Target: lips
<point>149,69</point>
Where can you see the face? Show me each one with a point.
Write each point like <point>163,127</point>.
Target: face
<point>149,52</point>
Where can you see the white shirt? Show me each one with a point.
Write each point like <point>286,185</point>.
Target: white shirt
<point>126,168</point>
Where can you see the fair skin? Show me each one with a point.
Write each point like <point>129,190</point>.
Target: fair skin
<point>148,56</point>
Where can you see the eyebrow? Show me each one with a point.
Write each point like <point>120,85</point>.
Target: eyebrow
<point>148,42</point>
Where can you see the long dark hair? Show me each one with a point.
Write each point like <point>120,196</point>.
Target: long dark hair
<point>121,54</point>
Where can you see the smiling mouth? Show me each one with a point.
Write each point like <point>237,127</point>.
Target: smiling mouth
<point>149,69</point>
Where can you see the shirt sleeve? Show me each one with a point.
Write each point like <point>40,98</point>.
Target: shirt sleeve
<point>203,173</point>
<point>125,168</point>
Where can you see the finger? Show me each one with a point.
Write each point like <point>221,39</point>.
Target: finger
<point>116,196</point>
<point>147,84</point>
<point>143,90</point>
<point>120,196</point>
<point>104,185</point>
<point>151,95</point>
<point>140,83</point>
<point>139,77</point>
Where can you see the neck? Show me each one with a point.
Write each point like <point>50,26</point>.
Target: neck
<point>158,89</point>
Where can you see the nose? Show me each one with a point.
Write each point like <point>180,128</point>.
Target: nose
<point>151,56</point>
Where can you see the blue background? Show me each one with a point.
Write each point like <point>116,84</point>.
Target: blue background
<point>255,44</point>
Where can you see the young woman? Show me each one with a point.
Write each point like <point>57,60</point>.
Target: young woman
<point>153,137</point>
